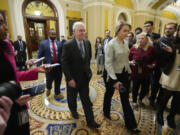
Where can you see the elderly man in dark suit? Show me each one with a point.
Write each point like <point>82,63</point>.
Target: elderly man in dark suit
<point>51,49</point>
<point>20,49</point>
<point>76,56</point>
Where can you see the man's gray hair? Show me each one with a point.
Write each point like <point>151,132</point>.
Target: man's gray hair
<point>76,24</point>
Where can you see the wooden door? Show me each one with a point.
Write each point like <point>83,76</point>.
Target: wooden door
<point>37,33</point>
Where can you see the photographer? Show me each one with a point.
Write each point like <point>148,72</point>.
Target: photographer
<point>142,62</point>
<point>5,107</point>
<point>16,124</point>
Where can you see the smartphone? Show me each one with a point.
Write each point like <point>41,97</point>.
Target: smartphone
<point>52,65</point>
<point>38,60</point>
<point>178,68</point>
<point>163,44</point>
<point>35,90</point>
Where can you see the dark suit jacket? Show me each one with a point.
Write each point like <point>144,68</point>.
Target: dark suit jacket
<point>109,38</point>
<point>21,56</point>
<point>73,65</point>
<point>166,60</point>
<point>44,51</point>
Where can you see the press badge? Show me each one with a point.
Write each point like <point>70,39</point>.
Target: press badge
<point>23,117</point>
<point>139,70</point>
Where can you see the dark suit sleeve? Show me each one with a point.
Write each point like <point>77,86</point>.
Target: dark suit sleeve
<point>65,62</point>
<point>60,50</point>
<point>90,51</point>
<point>40,53</point>
<point>15,45</point>
<point>25,46</point>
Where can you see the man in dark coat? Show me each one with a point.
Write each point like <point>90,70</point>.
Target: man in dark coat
<point>76,56</point>
<point>21,57</point>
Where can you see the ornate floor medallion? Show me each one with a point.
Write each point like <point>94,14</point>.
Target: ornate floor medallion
<point>50,116</point>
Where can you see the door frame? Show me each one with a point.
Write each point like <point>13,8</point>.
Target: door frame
<point>38,18</point>
<point>45,29</point>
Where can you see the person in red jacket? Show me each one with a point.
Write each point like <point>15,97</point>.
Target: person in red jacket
<point>142,61</point>
<point>16,124</point>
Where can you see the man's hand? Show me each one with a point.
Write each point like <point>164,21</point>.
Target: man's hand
<point>151,66</point>
<point>22,100</point>
<point>168,49</point>
<point>15,53</point>
<point>5,107</point>
<point>132,63</point>
<point>72,83</point>
<point>117,85</point>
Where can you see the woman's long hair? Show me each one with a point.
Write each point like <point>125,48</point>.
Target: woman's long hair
<point>4,47</point>
<point>100,40</point>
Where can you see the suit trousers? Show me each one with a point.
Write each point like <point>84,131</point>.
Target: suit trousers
<point>83,90</point>
<point>144,83</point>
<point>167,94</point>
<point>54,75</point>
<point>155,85</point>
<point>129,117</point>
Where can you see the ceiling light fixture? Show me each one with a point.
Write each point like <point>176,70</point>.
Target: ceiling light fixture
<point>37,13</point>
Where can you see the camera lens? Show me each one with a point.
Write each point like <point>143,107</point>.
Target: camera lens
<point>10,89</point>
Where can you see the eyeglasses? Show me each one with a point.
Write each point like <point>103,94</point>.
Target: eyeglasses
<point>81,30</point>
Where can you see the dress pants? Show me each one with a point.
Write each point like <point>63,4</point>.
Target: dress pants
<point>166,95</point>
<point>105,78</point>
<point>129,117</point>
<point>83,90</point>
<point>155,85</point>
<point>144,83</point>
<point>54,75</point>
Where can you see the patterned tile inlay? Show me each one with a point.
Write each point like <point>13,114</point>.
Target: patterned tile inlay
<point>49,116</point>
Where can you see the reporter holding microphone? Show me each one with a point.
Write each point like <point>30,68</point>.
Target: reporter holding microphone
<point>15,125</point>
<point>118,70</point>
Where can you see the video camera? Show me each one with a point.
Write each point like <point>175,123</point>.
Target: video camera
<point>10,89</point>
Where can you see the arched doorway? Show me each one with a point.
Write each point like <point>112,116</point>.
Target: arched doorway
<point>39,17</point>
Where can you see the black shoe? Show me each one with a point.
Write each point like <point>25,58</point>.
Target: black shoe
<point>134,131</point>
<point>93,125</point>
<point>171,122</point>
<point>141,103</point>
<point>160,119</point>
<point>75,115</point>
<point>152,103</point>
<point>107,116</point>
<point>98,72</point>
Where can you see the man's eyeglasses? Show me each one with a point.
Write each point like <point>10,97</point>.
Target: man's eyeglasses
<point>81,31</point>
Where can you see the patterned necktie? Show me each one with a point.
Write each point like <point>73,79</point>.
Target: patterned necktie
<point>54,52</point>
<point>82,50</point>
<point>21,45</point>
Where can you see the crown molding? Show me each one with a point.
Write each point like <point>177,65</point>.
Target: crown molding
<point>97,4</point>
